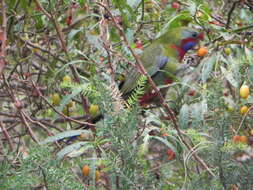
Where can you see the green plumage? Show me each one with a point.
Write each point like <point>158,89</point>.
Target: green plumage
<point>161,58</point>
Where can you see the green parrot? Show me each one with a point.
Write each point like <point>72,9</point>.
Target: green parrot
<point>161,60</point>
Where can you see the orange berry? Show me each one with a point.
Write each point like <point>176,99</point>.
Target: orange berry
<point>244,110</point>
<point>202,51</point>
<point>86,170</point>
<point>243,139</point>
<point>244,91</point>
<point>98,175</point>
<point>236,138</point>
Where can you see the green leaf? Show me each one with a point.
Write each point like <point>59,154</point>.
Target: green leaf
<point>192,7</point>
<point>81,2</point>
<point>74,150</point>
<point>249,55</point>
<point>133,3</point>
<point>70,63</point>
<point>197,113</point>
<point>94,40</point>
<point>184,116</point>
<point>39,21</point>
<point>250,74</point>
<point>11,3</point>
<point>229,76</point>
<point>65,134</point>
<point>208,67</point>
<point>24,4</point>
<point>126,11</point>
<point>138,91</point>
<point>67,99</point>
<point>73,32</point>
<point>130,35</point>
<point>175,21</point>
<point>144,147</point>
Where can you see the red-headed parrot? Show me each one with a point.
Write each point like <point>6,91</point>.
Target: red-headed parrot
<point>161,60</point>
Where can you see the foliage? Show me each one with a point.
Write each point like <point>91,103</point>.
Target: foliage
<point>36,168</point>
<point>45,144</point>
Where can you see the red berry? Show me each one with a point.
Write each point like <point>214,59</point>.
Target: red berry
<point>191,92</point>
<point>175,5</point>
<point>69,20</point>
<point>171,154</point>
<point>139,44</point>
<point>226,93</point>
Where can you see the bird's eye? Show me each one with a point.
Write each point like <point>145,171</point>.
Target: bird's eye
<point>194,35</point>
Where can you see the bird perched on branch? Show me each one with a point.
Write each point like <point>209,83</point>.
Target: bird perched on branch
<point>162,61</point>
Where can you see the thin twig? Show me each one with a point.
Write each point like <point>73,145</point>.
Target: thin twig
<point>41,49</point>
<point>50,16</point>
<point>7,136</point>
<point>40,7</point>
<point>30,131</point>
<point>3,37</point>
<point>231,12</point>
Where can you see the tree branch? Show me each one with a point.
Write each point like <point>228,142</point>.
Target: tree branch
<point>3,37</point>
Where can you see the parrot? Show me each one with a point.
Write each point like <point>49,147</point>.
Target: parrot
<point>162,61</point>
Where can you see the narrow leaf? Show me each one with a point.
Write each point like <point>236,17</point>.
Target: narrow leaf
<point>208,67</point>
<point>184,116</point>
<point>74,150</point>
<point>229,76</point>
<point>65,134</point>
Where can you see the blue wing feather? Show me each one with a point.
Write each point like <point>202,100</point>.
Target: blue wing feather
<point>161,61</point>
